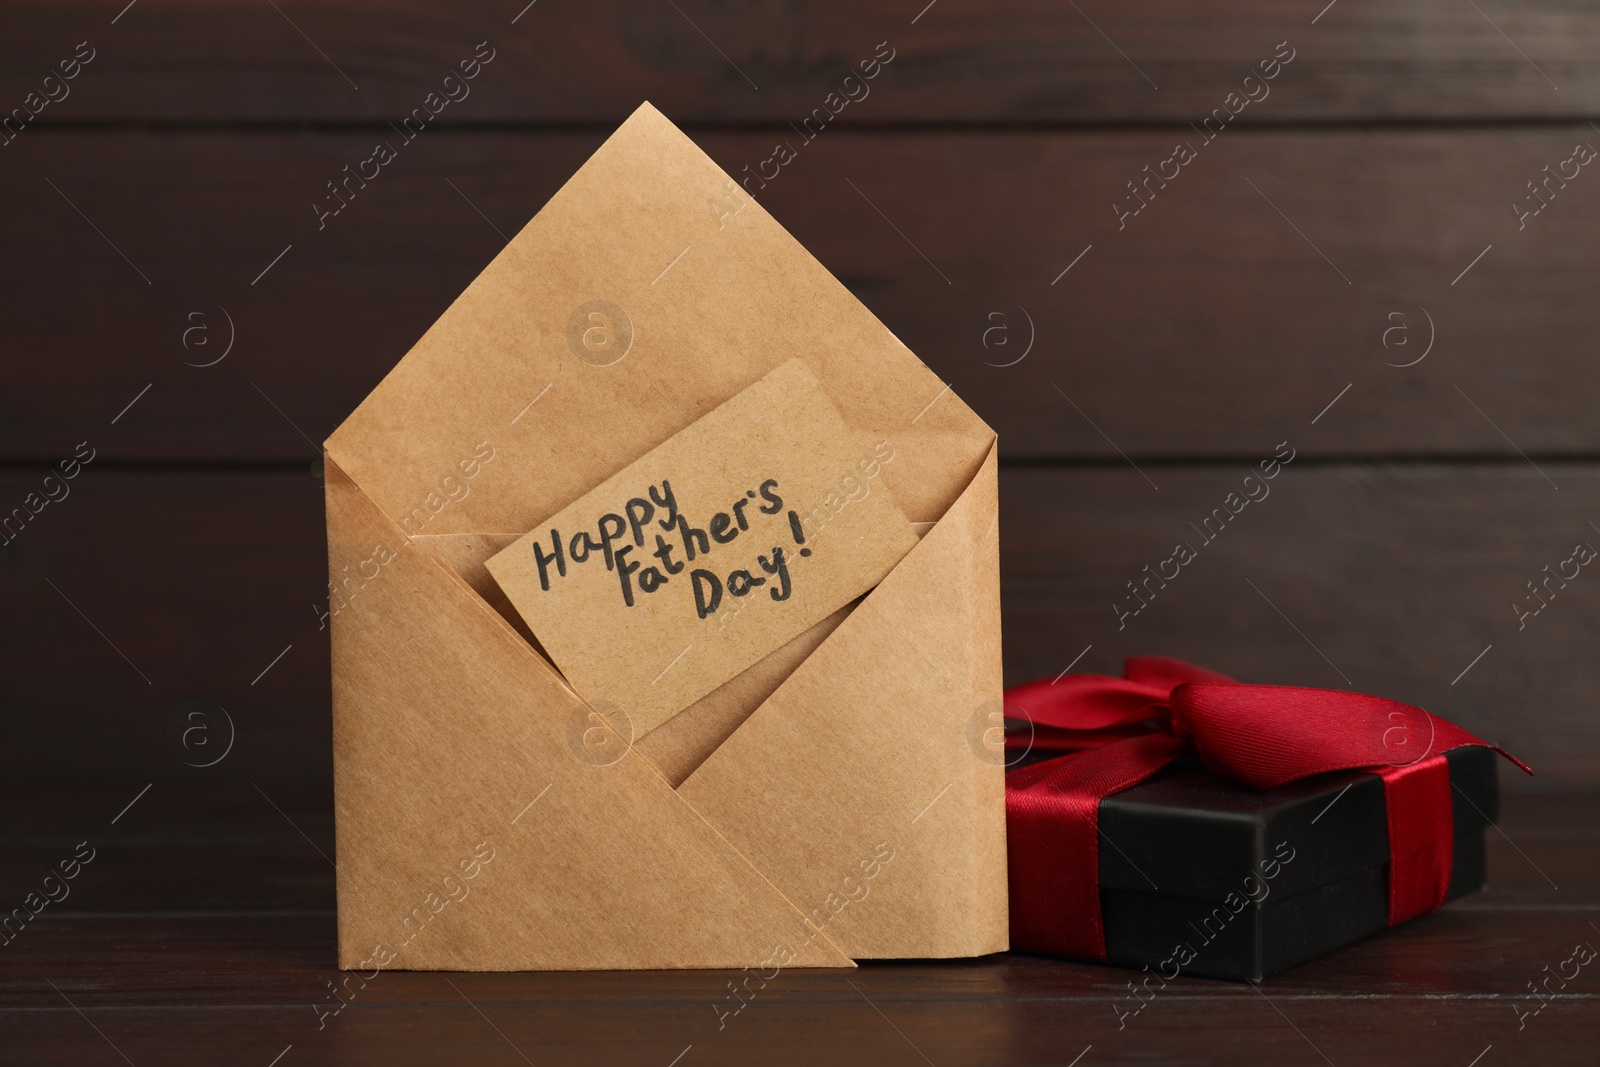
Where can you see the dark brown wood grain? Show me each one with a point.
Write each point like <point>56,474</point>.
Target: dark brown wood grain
<point>853,1021</point>
<point>1028,61</point>
<point>1229,313</point>
<point>142,598</point>
<point>1389,579</point>
<point>146,965</point>
<point>850,1026</point>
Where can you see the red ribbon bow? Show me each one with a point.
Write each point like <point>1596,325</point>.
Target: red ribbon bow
<point>1113,733</point>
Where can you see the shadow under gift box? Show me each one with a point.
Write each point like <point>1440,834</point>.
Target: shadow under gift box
<point>1308,860</point>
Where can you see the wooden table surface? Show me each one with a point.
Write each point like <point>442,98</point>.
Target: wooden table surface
<point>202,932</point>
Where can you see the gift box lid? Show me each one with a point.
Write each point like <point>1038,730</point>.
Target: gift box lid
<point>1192,833</point>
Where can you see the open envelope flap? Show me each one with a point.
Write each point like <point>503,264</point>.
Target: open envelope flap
<point>476,830</point>
<point>880,745</point>
<point>650,289</point>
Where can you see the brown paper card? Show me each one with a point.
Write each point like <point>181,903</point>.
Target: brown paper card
<point>706,554</point>
<point>449,721</point>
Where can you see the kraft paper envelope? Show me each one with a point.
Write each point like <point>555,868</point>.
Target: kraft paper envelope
<point>840,799</point>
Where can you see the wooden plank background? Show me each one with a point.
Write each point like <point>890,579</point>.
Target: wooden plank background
<point>1008,61</point>
<point>1284,287</point>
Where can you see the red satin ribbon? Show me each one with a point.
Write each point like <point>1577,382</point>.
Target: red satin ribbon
<point>1113,733</point>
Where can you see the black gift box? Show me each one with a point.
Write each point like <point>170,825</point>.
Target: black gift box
<point>1308,861</point>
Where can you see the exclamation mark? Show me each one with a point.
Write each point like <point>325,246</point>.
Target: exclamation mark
<point>799,534</point>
